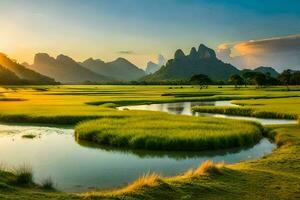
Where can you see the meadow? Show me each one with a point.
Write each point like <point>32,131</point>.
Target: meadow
<point>92,109</point>
<point>70,104</point>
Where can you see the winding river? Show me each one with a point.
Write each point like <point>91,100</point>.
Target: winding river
<point>79,167</point>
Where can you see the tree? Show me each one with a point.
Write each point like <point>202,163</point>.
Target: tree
<point>270,80</point>
<point>295,79</point>
<point>236,80</point>
<point>201,79</point>
<point>248,76</point>
<point>285,78</point>
<point>259,79</point>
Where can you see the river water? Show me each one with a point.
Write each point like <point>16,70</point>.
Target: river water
<point>80,167</point>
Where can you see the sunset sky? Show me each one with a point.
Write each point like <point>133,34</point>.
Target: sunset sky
<point>139,30</point>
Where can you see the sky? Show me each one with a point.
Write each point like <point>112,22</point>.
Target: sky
<point>245,33</point>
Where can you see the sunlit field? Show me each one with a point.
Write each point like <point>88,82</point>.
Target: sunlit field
<point>71,104</point>
<point>91,109</point>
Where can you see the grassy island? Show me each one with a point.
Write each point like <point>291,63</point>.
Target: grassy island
<point>169,132</point>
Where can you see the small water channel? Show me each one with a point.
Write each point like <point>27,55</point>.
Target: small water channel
<point>80,167</point>
<point>185,108</point>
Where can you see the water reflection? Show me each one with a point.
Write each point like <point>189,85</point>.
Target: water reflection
<point>179,108</point>
<point>178,155</point>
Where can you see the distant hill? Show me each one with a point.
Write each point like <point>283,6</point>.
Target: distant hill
<point>119,69</point>
<point>201,61</point>
<point>64,69</point>
<point>152,67</point>
<point>266,70</point>
<point>7,77</point>
<point>22,72</point>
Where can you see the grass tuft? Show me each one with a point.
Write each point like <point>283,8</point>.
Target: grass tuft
<point>47,183</point>
<point>150,179</point>
<point>23,174</point>
<point>209,167</point>
<point>147,180</point>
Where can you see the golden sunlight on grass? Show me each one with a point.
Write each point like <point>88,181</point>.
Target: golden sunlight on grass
<point>153,179</point>
<point>150,179</point>
<point>207,167</point>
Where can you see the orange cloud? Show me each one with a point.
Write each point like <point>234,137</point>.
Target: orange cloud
<point>282,52</point>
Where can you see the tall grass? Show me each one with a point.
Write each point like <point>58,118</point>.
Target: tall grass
<point>47,183</point>
<point>169,132</point>
<point>23,174</point>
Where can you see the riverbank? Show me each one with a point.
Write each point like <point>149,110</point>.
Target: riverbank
<point>275,176</point>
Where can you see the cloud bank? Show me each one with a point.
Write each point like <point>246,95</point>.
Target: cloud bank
<point>278,52</point>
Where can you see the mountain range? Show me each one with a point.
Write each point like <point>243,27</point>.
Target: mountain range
<point>201,61</point>
<point>119,69</point>
<point>65,70</point>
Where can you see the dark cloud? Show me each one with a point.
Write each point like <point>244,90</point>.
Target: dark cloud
<point>126,52</point>
<point>279,52</point>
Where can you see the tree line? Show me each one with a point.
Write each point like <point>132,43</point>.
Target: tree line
<point>287,77</point>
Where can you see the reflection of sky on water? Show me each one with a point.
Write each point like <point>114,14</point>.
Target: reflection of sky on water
<point>185,108</point>
<point>80,167</point>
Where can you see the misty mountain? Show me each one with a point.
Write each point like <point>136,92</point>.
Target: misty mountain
<point>65,69</point>
<point>119,69</point>
<point>201,61</point>
<point>266,70</point>
<point>152,67</point>
<point>22,72</point>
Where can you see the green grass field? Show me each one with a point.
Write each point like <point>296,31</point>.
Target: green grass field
<point>71,104</point>
<point>276,176</point>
